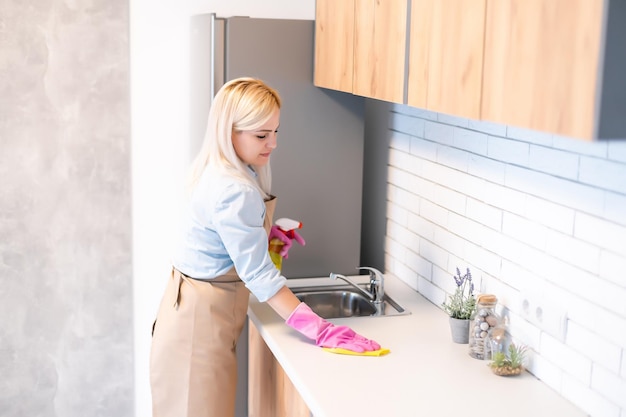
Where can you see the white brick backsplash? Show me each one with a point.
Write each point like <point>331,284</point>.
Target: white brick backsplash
<point>443,175</point>
<point>486,168</point>
<point>436,255</point>
<point>402,235</point>
<point>612,267</point>
<point>406,274</point>
<point>581,147</point>
<point>536,217</point>
<point>573,251</point>
<point>606,324</point>
<point>503,198</point>
<point>483,213</point>
<point>600,233</point>
<point>406,199</point>
<point>510,151</point>
<point>434,213</point>
<point>456,159</point>
<point>399,214</point>
<point>450,199</point>
<point>407,123</point>
<point>549,214</point>
<point>452,120</point>
<point>565,192</point>
<point>430,291</point>
<point>395,248</point>
<point>546,371</point>
<point>450,241</point>
<point>471,141</point>
<point>589,400</point>
<point>414,112</point>
<point>566,358</point>
<point>603,174</point>
<point>523,230</point>
<point>442,277</point>
<point>614,208</point>
<point>400,141</point>
<point>525,332</point>
<point>422,226</point>
<point>617,150</point>
<point>530,136</point>
<point>464,227</point>
<point>439,132</point>
<point>405,162</point>
<point>418,264</point>
<point>590,345</point>
<point>483,259</point>
<point>400,178</point>
<point>488,127</point>
<point>553,161</point>
<point>423,148</point>
<point>520,278</point>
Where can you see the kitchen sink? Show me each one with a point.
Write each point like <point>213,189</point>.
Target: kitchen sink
<point>336,301</point>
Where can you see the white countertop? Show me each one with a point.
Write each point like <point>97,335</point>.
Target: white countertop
<point>425,374</point>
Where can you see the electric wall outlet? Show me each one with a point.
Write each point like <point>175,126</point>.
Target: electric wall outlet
<point>546,315</point>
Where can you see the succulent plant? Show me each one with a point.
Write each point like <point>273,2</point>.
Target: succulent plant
<point>511,363</point>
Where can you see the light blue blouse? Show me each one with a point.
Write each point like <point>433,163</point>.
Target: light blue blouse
<point>222,227</point>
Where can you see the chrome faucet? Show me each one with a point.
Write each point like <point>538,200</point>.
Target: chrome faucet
<point>376,291</point>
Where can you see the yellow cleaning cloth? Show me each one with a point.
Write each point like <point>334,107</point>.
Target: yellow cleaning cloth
<point>379,352</point>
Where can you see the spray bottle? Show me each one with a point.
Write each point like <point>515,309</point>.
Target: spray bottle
<point>281,235</point>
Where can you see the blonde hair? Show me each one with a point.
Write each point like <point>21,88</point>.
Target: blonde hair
<point>241,104</point>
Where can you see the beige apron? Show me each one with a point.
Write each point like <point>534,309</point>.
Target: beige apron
<point>193,364</point>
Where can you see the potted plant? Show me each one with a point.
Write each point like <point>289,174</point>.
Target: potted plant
<point>504,364</point>
<point>460,306</point>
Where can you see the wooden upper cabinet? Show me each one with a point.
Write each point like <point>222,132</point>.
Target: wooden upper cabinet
<point>543,66</point>
<point>380,49</point>
<point>446,56</point>
<point>334,44</point>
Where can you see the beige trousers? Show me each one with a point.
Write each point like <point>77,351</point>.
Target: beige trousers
<point>193,362</point>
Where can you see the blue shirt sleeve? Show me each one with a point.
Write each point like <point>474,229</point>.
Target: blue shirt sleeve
<point>238,219</point>
<point>223,227</point>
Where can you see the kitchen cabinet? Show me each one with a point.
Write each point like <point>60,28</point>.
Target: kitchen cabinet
<point>446,56</point>
<point>556,66</point>
<point>334,44</point>
<point>380,49</point>
<point>270,392</point>
<point>360,47</point>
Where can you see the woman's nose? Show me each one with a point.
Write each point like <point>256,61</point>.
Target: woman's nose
<point>272,141</point>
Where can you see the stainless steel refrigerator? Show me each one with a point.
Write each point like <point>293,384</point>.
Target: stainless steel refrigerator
<point>317,168</point>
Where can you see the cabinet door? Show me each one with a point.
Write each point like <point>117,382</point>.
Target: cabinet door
<point>380,49</point>
<point>270,391</point>
<point>541,64</point>
<point>446,56</point>
<point>334,44</point>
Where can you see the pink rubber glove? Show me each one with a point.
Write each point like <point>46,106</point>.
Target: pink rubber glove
<point>286,237</point>
<point>326,334</point>
<point>277,233</point>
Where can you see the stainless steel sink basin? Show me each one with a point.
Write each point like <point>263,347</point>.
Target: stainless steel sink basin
<point>344,301</point>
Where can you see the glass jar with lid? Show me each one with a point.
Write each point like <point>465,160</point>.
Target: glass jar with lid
<point>482,322</point>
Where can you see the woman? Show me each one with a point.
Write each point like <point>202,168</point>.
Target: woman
<point>223,254</point>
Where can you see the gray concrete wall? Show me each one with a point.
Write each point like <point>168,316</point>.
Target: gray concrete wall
<point>65,209</point>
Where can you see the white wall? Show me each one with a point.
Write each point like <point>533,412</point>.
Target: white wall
<point>159,95</point>
<point>535,217</point>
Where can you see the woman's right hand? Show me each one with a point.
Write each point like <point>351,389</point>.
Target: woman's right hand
<point>326,334</point>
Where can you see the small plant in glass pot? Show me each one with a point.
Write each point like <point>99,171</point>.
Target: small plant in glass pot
<point>511,363</point>
<point>460,306</point>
